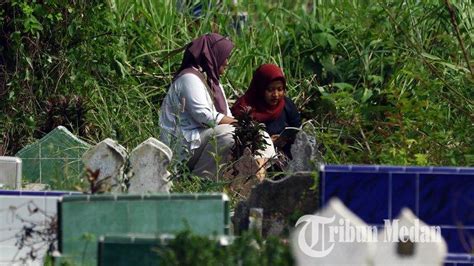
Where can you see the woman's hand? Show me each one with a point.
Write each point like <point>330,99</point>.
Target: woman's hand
<point>228,120</point>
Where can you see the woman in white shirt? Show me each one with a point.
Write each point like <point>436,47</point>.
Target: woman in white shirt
<point>195,118</point>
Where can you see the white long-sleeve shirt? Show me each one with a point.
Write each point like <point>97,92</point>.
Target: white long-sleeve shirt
<point>187,110</point>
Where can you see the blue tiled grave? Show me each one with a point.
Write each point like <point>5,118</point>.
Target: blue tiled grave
<point>442,196</point>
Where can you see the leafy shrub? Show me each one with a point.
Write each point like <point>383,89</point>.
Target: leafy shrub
<point>248,249</point>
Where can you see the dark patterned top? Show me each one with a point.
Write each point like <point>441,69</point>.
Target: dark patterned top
<point>290,117</point>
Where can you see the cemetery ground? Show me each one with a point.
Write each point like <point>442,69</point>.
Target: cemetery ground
<point>129,214</point>
<point>387,86</point>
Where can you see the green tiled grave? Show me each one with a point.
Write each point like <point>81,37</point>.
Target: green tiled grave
<point>83,219</point>
<point>129,250</point>
<point>56,156</point>
<point>143,250</point>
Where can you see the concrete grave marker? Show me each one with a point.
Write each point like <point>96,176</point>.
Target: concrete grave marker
<point>242,177</point>
<point>280,200</point>
<point>319,240</point>
<point>149,162</point>
<point>306,156</point>
<point>10,172</point>
<point>109,158</point>
<point>53,158</point>
<point>419,244</point>
<point>246,165</point>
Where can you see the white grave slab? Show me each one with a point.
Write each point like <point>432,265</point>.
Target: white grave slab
<point>108,157</point>
<point>149,162</point>
<point>409,241</point>
<point>19,209</point>
<point>326,239</point>
<point>10,172</point>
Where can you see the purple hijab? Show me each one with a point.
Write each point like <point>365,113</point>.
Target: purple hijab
<point>209,52</point>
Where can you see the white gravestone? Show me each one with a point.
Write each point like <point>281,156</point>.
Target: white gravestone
<point>333,236</point>
<point>306,156</point>
<point>20,210</point>
<point>10,172</point>
<point>109,158</point>
<point>149,162</point>
<point>409,241</point>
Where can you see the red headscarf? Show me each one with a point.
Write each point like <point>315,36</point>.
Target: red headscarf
<point>254,96</point>
<point>209,52</point>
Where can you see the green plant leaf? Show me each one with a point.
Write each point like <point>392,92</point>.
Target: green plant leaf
<point>343,86</point>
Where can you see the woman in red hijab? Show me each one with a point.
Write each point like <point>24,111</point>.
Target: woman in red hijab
<point>269,105</point>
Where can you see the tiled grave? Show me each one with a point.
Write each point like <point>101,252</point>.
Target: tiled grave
<point>122,250</point>
<point>19,209</point>
<point>54,157</point>
<point>83,219</point>
<point>10,172</point>
<point>437,195</point>
<point>130,250</point>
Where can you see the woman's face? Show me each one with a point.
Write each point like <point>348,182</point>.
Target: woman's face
<point>223,67</point>
<point>274,92</point>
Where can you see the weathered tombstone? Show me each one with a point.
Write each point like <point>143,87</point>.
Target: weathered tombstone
<point>149,162</point>
<point>242,176</point>
<point>333,236</point>
<point>281,201</point>
<point>108,157</point>
<point>10,172</point>
<point>246,165</point>
<point>306,156</point>
<point>53,158</point>
<point>409,241</point>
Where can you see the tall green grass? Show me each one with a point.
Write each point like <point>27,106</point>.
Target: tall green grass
<point>385,81</point>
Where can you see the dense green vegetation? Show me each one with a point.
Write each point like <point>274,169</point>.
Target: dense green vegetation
<point>248,249</point>
<point>387,82</point>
